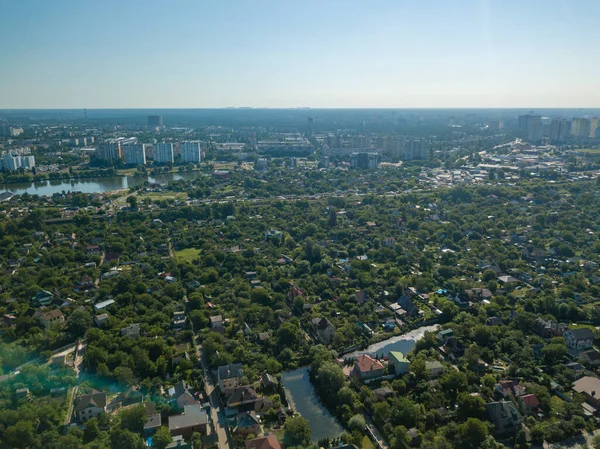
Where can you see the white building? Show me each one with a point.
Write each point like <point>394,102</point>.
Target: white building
<point>13,162</point>
<point>191,152</point>
<point>135,154</point>
<point>112,148</point>
<point>163,153</point>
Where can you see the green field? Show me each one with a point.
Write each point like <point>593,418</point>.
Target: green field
<point>589,150</point>
<point>187,254</point>
<point>367,443</point>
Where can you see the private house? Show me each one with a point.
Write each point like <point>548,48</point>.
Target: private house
<point>478,294</point>
<point>85,283</point>
<point>51,317</point>
<point>132,331</point>
<point>112,257</point>
<point>324,329</point>
<point>407,304</point>
<point>101,319</point>
<point>153,423</point>
<point>247,423</point>
<point>435,368</point>
<point>179,320</point>
<point>507,280</point>
<point>179,443</point>
<point>22,393</point>
<point>269,441</point>
<point>548,328</point>
<point>180,393</point>
<point>229,377</point>
<point>529,403</point>
<point>103,304</point>
<point>590,357</point>
<point>506,387</point>
<point>43,298</point>
<point>90,406</point>
<point>193,419</point>
<point>444,335</point>
<point>92,250</point>
<point>382,393</point>
<point>578,340</point>
<point>242,396</point>
<point>9,320</point>
<point>269,382</point>
<point>294,293</point>
<point>589,387</point>
<point>367,368</point>
<point>400,363</point>
<point>216,324</point>
<point>505,417</point>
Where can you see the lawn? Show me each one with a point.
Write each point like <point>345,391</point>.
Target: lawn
<point>581,326</point>
<point>367,443</point>
<point>187,254</point>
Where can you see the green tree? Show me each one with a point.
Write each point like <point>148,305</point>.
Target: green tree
<point>133,418</point>
<point>474,432</point>
<point>162,438</point>
<point>91,431</point>
<point>297,431</point>
<point>357,422</point>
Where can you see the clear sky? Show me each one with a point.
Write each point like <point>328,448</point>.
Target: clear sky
<point>290,53</point>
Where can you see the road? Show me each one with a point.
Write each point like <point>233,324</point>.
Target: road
<point>217,416</point>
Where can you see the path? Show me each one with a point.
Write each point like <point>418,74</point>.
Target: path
<point>375,433</point>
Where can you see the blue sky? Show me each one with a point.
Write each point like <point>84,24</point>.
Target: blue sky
<point>284,53</point>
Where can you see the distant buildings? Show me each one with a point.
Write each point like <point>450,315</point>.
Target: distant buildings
<point>558,130</point>
<point>14,162</point>
<point>594,126</point>
<point>364,160</point>
<point>155,120</point>
<point>163,153</point>
<point>112,148</point>
<point>531,127</point>
<point>135,154</point>
<point>191,152</point>
<point>581,127</point>
<point>415,149</point>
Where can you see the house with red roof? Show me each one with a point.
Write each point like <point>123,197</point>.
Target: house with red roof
<point>367,367</point>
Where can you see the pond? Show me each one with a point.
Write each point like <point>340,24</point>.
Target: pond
<point>93,185</point>
<point>305,400</point>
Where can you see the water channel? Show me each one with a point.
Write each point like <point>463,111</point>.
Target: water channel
<point>305,400</point>
<point>93,185</point>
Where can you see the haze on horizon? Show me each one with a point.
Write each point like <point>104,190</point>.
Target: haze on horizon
<point>332,54</point>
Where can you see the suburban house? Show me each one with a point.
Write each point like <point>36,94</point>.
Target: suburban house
<point>445,335</point>
<point>153,423</point>
<point>401,363</point>
<point>193,419</point>
<point>43,298</point>
<point>324,329</point>
<point>51,317</point>
<point>578,340</point>
<point>529,402</point>
<point>242,396</point>
<point>407,304</point>
<point>589,387</point>
<point>216,322</point>
<point>505,417</point>
<point>434,368</point>
<point>269,382</point>
<point>590,357</point>
<point>367,368</point>
<point>229,377</point>
<point>506,387</point>
<point>179,320</point>
<point>90,405</point>
<point>181,394</point>
<point>548,328</point>
<point>269,441</point>
<point>133,331</point>
<point>101,319</point>
<point>247,423</point>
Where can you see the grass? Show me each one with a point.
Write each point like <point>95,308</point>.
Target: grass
<point>367,443</point>
<point>187,254</point>
<point>581,326</point>
<point>589,150</point>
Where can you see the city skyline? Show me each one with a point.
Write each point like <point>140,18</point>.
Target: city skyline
<point>476,54</point>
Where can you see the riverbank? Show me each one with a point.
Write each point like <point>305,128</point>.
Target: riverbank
<point>396,343</point>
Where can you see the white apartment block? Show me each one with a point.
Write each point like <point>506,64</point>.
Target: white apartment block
<point>135,154</point>
<point>191,152</point>
<point>163,153</point>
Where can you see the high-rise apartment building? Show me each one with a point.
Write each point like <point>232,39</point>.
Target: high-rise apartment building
<point>13,162</point>
<point>558,130</point>
<point>415,149</point>
<point>581,127</point>
<point>155,120</point>
<point>163,153</point>
<point>111,149</point>
<point>531,128</point>
<point>191,152</point>
<point>134,154</point>
<point>594,127</point>
<point>364,160</point>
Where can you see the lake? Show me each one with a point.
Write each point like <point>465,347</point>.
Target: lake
<point>302,394</point>
<point>93,185</point>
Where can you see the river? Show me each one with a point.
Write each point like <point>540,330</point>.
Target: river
<point>93,185</point>
<point>302,394</point>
